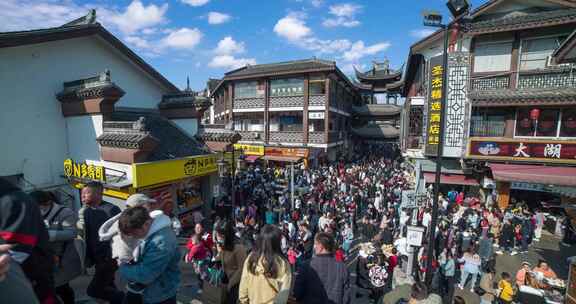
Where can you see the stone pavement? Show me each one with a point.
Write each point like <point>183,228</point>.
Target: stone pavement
<point>549,249</point>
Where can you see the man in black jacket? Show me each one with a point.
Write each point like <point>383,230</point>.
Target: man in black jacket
<point>324,280</point>
<point>92,215</point>
<point>21,226</point>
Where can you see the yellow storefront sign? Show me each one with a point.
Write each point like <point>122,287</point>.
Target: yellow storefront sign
<point>153,173</point>
<point>250,149</point>
<point>84,170</point>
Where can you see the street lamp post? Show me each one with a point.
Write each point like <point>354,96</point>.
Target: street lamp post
<point>458,8</point>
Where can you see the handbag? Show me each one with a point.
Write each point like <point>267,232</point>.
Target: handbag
<point>479,290</point>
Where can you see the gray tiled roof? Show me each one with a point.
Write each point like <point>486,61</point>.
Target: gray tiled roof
<point>173,142</point>
<point>523,19</point>
<point>122,140</point>
<point>282,67</point>
<point>376,109</point>
<point>378,74</point>
<point>377,131</point>
<point>221,136</point>
<point>509,97</point>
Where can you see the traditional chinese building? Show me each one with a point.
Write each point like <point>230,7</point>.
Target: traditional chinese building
<point>288,111</point>
<point>378,118</point>
<point>511,101</point>
<point>127,127</point>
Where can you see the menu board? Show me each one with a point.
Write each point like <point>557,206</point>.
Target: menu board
<point>571,286</point>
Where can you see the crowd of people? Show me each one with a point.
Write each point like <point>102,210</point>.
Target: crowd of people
<point>274,244</point>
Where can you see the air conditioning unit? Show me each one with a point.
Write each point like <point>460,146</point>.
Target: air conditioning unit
<point>550,62</point>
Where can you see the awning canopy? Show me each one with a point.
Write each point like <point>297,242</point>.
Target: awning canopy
<point>451,179</point>
<point>251,158</point>
<point>562,176</point>
<point>290,159</point>
<point>217,146</point>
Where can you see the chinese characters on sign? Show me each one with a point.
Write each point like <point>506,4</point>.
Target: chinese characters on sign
<point>84,170</point>
<point>250,149</point>
<point>200,166</point>
<point>434,105</point>
<point>522,150</point>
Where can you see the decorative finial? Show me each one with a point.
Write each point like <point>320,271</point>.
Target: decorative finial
<point>188,83</point>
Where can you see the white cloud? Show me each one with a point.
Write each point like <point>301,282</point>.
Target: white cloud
<point>317,3</point>
<point>421,33</point>
<point>136,17</point>
<point>16,15</point>
<point>292,27</point>
<point>195,2</point>
<point>359,50</point>
<point>228,46</point>
<point>230,62</point>
<point>183,38</point>
<point>344,15</point>
<point>138,42</point>
<point>218,18</point>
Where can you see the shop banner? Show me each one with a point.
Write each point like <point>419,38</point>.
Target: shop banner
<point>250,149</point>
<point>84,170</point>
<point>522,150</point>
<point>435,105</point>
<point>146,174</point>
<point>295,152</point>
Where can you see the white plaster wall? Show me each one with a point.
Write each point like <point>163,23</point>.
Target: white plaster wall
<point>188,125</point>
<point>82,132</point>
<point>33,131</point>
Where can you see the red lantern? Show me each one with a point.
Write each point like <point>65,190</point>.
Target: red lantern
<point>534,114</point>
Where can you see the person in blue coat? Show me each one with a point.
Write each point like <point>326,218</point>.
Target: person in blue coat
<point>155,270</point>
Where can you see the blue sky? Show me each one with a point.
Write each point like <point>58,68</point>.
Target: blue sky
<point>205,38</point>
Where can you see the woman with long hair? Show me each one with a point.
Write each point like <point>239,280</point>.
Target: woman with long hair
<point>232,255</point>
<point>266,276</point>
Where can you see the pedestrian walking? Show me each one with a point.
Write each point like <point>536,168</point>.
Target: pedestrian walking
<point>324,280</point>
<point>92,216</point>
<point>266,275</point>
<point>155,271</point>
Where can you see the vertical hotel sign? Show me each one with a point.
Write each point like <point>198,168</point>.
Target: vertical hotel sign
<point>434,105</point>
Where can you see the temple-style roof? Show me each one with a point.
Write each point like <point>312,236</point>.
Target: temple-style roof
<point>288,67</point>
<point>376,110</point>
<point>82,27</point>
<point>522,20</point>
<point>184,99</point>
<point>377,131</point>
<point>219,135</point>
<point>172,141</point>
<point>91,87</point>
<point>566,52</point>
<point>552,96</point>
<point>380,72</point>
<point>128,135</point>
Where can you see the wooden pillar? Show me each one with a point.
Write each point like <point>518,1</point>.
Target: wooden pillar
<point>266,110</point>
<point>515,60</point>
<point>231,102</point>
<point>503,189</point>
<point>305,113</point>
<point>327,112</point>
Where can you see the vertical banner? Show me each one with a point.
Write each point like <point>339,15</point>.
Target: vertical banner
<point>434,105</point>
<point>456,104</point>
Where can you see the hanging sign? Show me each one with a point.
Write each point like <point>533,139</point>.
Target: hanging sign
<point>522,150</point>
<point>434,105</point>
<point>315,115</point>
<point>146,174</point>
<point>84,170</point>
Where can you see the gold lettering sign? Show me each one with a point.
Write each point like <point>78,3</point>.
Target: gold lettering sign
<point>250,149</point>
<point>198,166</point>
<point>84,170</point>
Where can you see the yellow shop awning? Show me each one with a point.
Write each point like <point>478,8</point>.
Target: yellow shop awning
<point>159,172</point>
